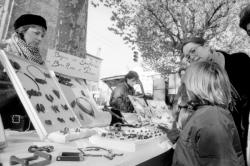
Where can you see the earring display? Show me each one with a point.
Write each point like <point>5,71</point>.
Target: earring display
<point>82,102</point>
<point>42,100</point>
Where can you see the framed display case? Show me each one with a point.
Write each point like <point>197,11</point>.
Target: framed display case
<point>43,101</point>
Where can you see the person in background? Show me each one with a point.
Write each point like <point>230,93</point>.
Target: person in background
<point>196,49</point>
<point>29,29</point>
<point>210,136</point>
<point>245,25</point>
<point>119,100</point>
<point>245,19</point>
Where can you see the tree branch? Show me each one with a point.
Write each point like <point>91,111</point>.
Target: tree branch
<point>162,25</point>
<point>174,20</point>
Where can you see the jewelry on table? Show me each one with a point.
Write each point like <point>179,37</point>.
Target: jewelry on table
<point>109,153</point>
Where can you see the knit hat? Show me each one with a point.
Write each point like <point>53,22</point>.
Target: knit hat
<point>30,19</point>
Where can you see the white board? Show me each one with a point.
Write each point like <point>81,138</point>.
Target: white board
<point>63,63</point>
<point>43,101</point>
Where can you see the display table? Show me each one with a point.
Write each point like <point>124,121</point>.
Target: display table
<point>18,143</point>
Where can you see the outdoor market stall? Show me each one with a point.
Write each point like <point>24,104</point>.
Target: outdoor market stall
<point>69,126</point>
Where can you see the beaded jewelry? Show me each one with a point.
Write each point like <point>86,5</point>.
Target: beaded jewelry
<point>109,153</point>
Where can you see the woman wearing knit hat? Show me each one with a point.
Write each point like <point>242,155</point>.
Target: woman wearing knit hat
<point>24,42</point>
<point>29,32</point>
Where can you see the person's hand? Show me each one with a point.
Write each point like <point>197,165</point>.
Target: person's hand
<point>172,134</point>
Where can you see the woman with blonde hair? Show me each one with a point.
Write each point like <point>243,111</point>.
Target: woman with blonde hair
<point>29,31</point>
<point>209,136</point>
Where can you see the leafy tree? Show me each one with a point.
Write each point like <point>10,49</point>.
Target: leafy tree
<point>157,28</point>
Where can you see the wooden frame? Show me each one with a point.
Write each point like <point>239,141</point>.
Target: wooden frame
<point>40,95</point>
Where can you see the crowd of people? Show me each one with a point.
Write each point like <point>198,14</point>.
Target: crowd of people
<point>213,99</point>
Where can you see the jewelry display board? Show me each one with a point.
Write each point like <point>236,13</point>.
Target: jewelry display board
<point>155,111</point>
<point>82,102</point>
<point>43,101</point>
<point>160,112</point>
<point>141,107</point>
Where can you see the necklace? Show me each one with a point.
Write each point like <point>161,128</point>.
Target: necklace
<point>38,80</point>
<point>31,92</point>
<point>109,153</point>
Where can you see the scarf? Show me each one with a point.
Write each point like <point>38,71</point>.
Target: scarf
<point>28,52</point>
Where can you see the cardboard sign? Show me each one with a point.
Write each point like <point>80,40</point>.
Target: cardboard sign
<point>43,101</point>
<point>87,68</point>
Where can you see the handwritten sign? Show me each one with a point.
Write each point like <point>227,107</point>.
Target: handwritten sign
<point>87,68</point>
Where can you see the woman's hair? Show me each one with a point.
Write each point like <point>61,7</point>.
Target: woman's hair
<point>207,83</point>
<point>196,40</point>
<point>21,30</point>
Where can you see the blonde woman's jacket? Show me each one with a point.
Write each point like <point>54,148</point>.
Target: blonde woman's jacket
<point>209,138</point>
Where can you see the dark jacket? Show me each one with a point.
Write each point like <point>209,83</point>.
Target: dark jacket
<point>119,98</point>
<point>209,138</point>
<point>237,66</point>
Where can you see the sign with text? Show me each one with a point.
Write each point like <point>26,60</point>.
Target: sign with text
<point>87,68</point>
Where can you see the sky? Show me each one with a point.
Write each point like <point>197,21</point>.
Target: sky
<point>117,56</point>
